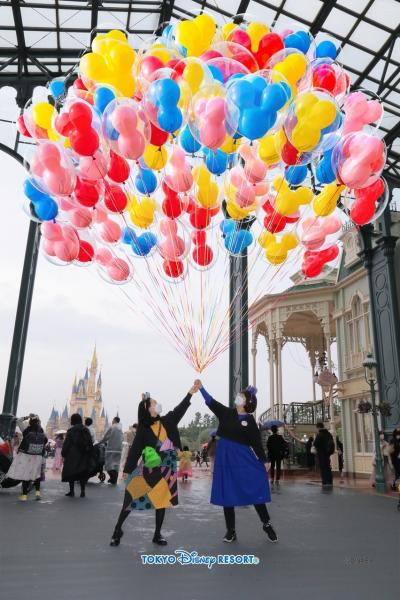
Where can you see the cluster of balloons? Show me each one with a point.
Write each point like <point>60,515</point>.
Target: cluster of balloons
<point>243,127</point>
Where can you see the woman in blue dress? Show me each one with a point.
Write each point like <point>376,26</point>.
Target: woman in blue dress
<point>240,473</point>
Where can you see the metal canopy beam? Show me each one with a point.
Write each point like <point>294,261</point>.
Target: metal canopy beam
<point>322,16</point>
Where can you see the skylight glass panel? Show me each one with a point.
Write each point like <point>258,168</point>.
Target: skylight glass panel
<point>262,13</point>
<point>309,9</point>
<point>369,36</point>
<point>386,12</point>
<point>339,22</point>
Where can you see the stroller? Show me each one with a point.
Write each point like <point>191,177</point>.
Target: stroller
<point>96,465</point>
<point>6,457</point>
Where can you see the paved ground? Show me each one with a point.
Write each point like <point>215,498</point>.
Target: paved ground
<point>340,545</point>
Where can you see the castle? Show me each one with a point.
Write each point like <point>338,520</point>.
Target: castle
<point>86,399</point>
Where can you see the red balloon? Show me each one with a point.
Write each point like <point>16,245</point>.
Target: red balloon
<point>199,237</point>
<point>80,115</point>
<point>172,207</point>
<point>63,125</point>
<point>157,137</point>
<point>86,252</point>
<point>115,198</point>
<point>200,218</point>
<point>324,77</point>
<point>274,222</point>
<point>269,45</point>
<point>290,154</point>
<point>177,65</point>
<point>119,169</point>
<point>239,36</point>
<point>173,268</point>
<point>313,262</point>
<point>86,193</point>
<point>79,85</point>
<point>85,143</point>
<point>170,193</point>
<point>22,127</point>
<point>203,255</point>
<point>149,65</point>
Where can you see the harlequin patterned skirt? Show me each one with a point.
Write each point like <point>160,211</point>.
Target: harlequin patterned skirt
<point>154,488</point>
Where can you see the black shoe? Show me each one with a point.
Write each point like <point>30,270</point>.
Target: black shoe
<point>230,537</point>
<point>82,495</point>
<point>70,495</point>
<point>270,531</point>
<point>116,537</point>
<point>158,539</point>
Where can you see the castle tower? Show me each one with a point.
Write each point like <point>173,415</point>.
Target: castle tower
<point>52,423</point>
<point>64,419</point>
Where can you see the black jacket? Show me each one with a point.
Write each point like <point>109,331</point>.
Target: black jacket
<point>33,441</point>
<point>276,446</point>
<point>324,442</point>
<point>145,436</point>
<point>77,452</point>
<point>231,428</point>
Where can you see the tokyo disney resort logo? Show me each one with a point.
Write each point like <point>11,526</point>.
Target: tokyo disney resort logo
<point>183,557</point>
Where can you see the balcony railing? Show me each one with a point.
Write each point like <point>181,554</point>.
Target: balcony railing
<point>299,413</point>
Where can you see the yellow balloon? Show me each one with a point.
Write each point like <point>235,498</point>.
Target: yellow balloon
<point>141,211</point>
<point>193,74</point>
<point>323,114</point>
<point>189,36</point>
<point>326,201</point>
<point>256,31</point>
<point>305,136</point>
<point>270,147</point>
<point>236,212</point>
<point>121,55</point>
<point>230,145</point>
<point>53,135</point>
<point>265,239</point>
<point>42,114</point>
<point>276,254</point>
<point>206,25</point>
<point>162,53</point>
<point>116,34</point>
<point>227,29</point>
<point>289,241</point>
<point>303,104</point>
<point>93,66</point>
<point>155,157</point>
<point>293,67</point>
<point>287,201</point>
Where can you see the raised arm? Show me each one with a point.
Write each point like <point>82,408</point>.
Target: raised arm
<point>219,410</point>
<point>179,411</point>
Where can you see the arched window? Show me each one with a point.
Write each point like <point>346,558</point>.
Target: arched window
<point>358,334</point>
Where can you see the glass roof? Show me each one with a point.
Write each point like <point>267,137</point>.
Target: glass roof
<point>42,39</point>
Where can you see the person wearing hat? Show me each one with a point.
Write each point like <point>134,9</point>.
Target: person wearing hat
<point>240,474</point>
<point>27,465</point>
<point>150,469</point>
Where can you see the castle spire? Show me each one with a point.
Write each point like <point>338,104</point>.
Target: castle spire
<point>94,360</point>
<point>74,386</point>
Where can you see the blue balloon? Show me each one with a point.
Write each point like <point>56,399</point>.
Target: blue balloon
<point>33,193</point>
<point>296,175</point>
<point>102,98</point>
<point>146,182</point>
<point>227,226</point>
<point>300,40</point>
<point>242,93</point>
<point>259,84</point>
<point>255,122</point>
<point>333,126</point>
<point>326,49</point>
<point>188,142</point>
<point>216,162</point>
<point>46,210</point>
<point>110,131</point>
<point>324,171</point>
<point>56,88</point>
<point>166,92</point>
<point>143,244</point>
<point>169,118</point>
<point>216,73</point>
<point>274,97</point>
<point>237,241</point>
<point>128,235</point>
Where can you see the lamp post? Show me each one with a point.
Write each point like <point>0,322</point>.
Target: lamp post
<point>370,365</point>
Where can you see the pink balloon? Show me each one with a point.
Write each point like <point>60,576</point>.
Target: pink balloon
<point>66,203</point>
<point>100,215</point>
<point>168,227</point>
<point>118,269</point>
<point>81,217</point>
<point>60,182</point>
<point>212,136</point>
<point>103,256</point>
<point>110,231</point>
<point>255,169</point>
<point>132,146</point>
<point>93,167</point>
<point>37,167</point>
<point>124,119</point>
<point>173,247</point>
<point>215,109</point>
<point>51,231</point>
<point>48,246</point>
<point>67,250</point>
<point>178,175</point>
<point>49,155</point>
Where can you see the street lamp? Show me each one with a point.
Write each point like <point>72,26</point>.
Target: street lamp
<point>370,365</point>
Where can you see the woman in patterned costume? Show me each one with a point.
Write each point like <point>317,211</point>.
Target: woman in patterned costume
<point>153,488</point>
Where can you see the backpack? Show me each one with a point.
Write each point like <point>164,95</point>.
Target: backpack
<point>34,443</point>
<point>330,446</point>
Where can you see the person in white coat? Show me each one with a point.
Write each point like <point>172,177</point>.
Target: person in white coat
<point>113,439</point>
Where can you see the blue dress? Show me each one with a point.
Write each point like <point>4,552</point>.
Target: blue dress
<point>239,477</point>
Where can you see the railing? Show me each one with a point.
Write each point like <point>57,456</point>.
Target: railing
<point>299,413</point>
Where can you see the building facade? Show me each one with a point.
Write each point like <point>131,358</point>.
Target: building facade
<point>86,399</point>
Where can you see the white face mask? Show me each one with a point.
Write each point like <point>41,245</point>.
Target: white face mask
<point>239,400</point>
<point>158,408</point>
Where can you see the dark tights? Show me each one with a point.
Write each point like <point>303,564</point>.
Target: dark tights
<point>82,483</point>
<point>126,509</point>
<point>229,512</point>
<point>26,486</point>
